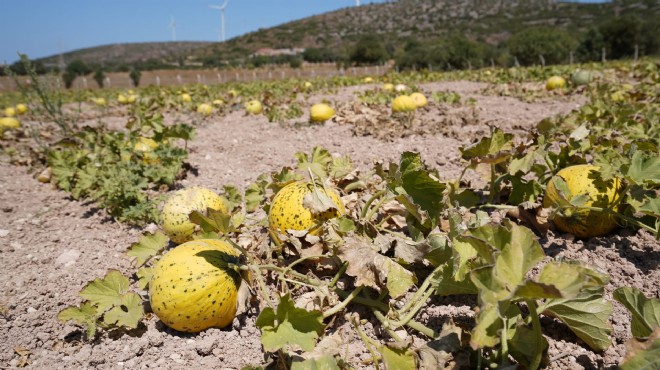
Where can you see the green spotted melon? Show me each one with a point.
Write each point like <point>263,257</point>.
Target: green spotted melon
<point>287,211</point>
<point>193,289</point>
<point>582,223</point>
<point>177,208</point>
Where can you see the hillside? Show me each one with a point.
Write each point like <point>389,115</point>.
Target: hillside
<point>490,21</point>
<point>116,54</point>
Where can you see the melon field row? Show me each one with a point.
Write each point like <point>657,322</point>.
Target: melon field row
<point>323,247</point>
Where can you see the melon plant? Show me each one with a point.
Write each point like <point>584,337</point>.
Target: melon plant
<point>177,208</point>
<point>580,220</point>
<point>296,207</point>
<point>194,287</point>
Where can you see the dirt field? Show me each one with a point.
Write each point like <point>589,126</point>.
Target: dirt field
<point>51,246</point>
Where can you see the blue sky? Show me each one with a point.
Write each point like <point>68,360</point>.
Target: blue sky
<point>42,28</point>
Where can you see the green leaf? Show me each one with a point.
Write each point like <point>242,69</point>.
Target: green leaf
<point>444,283</point>
<point>645,311</point>
<point>425,191</point>
<point>524,191</point>
<point>643,356</point>
<point>398,358</point>
<point>644,170</point>
<point>488,146</point>
<point>326,362</point>
<point>255,194</point>
<point>233,196</point>
<point>148,246</point>
<point>399,280</point>
<point>144,275</point>
<point>289,325</point>
<point>86,315</point>
<point>526,346</point>
<point>106,292</point>
<point>518,256</point>
<point>128,313</point>
<point>321,158</point>
<point>587,316</point>
<point>341,167</point>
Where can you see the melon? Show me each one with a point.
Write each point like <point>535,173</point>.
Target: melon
<point>583,223</point>
<point>403,103</point>
<point>195,285</point>
<point>321,112</point>
<point>177,208</point>
<point>288,211</point>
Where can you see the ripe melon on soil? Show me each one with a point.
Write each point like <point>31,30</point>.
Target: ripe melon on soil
<point>177,208</point>
<point>288,212</point>
<point>193,288</point>
<point>583,223</point>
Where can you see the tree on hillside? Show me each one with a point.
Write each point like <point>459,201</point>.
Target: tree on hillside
<point>74,69</point>
<point>620,36</point>
<point>135,76</point>
<point>369,49</point>
<point>99,77</point>
<point>530,44</point>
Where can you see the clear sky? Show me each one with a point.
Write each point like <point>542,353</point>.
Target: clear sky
<point>42,28</point>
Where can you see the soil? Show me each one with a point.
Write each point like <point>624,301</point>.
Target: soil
<point>51,245</point>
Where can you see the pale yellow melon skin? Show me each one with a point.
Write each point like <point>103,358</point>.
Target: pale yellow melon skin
<point>321,112</point>
<point>192,289</point>
<point>177,208</point>
<point>585,223</point>
<point>403,103</point>
<point>287,211</point>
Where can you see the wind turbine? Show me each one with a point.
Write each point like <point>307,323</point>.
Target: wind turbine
<point>222,18</point>
<point>357,2</point>
<point>172,26</point>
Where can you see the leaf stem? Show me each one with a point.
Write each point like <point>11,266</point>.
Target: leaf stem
<point>377,195</point>
<point>343,303</point>
<point>421,291</point>
<point>535,362</point>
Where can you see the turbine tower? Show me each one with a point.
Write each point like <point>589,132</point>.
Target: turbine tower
<point>357,2</point>
<point>222,18</point>
<point>172,27</point>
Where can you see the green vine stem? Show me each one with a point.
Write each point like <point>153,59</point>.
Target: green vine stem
<point>343,303</point>
<point>413,311</point>
<point>368,342</point>
<point>377,195</point>
<point>536,326</point>
<point>420,292</point>
<point>375,208</point>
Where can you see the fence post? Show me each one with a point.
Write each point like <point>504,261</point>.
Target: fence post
<point>542,59</point>
<point>602,56</point>
<point>157,80</point>
<point>570,58</point>
<point>219,77</point>
<point>636,52</point>
<point>199,79</point>
<point>236,76</point>
<point>469,65</point>
<point>515,61</point>
<point>178,79</point>
<point>492,63</point>
<point>84,79</point>
<point>107,82</point>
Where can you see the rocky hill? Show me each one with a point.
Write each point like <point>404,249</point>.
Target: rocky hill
<point>490,21</point>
